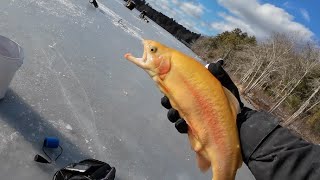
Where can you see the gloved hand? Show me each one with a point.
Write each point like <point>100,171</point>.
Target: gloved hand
<point>217,70</point>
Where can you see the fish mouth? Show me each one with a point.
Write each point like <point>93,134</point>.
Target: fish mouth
<point>141,62</point>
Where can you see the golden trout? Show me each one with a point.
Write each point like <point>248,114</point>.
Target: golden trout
<point>209,109</point>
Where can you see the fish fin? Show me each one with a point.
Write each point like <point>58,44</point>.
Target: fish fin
<point>233,102</point>
<point>163,88</point>
<point>203,163</point>
<point>166,91</point>
<point>194,142</point>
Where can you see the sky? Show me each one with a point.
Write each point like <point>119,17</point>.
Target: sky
<point>256,17</point>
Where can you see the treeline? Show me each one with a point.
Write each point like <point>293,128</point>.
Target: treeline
<point>169,24</point>
<point>210,48</point>
<point>281,74</point>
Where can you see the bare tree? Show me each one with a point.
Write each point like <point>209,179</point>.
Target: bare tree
<point>266,60</point>
<point>308,60</point>
<point>304,106</point>
<point>277,104</point>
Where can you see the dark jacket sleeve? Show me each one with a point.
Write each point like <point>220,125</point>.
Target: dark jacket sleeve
<point>272,152</point>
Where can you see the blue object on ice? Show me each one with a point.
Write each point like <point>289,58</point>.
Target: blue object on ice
<point>51,142</point>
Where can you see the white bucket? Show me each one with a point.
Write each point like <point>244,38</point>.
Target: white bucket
<point>11,59</point>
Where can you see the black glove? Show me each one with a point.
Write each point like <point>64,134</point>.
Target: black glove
<point>217,70</point>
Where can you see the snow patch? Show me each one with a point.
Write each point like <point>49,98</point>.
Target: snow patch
<point>54,8</point>
<point>118,21</point>
<point>69,127</point>
<point>61,124</point>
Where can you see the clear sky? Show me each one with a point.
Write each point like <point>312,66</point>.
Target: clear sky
<point>257,17</point>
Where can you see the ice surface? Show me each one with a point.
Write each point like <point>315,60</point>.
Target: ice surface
<point>76,85</point>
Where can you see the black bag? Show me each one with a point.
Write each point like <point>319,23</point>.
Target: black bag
<point>89,169</point>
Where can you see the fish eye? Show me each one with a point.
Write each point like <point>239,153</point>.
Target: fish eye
<point>153,49</point>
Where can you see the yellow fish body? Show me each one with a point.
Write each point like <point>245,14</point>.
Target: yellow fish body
<point>209,109</point>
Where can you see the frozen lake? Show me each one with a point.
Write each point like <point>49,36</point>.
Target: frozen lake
<point>76,85</point>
